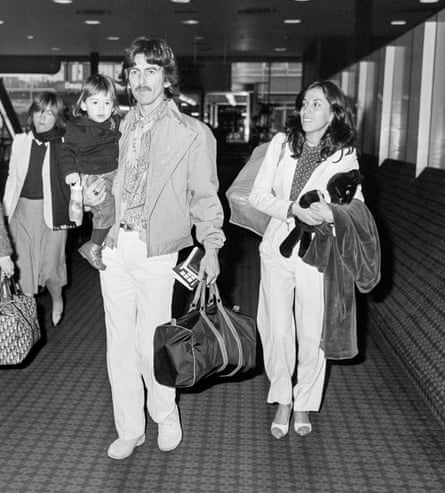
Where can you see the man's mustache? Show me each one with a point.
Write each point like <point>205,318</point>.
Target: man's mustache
<point>143,88</point>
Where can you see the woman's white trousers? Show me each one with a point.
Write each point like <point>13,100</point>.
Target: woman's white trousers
<point>291,295</point>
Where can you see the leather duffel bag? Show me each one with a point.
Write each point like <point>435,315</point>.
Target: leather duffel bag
<point>210,339</point>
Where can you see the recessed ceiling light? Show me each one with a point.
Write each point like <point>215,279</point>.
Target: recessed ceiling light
<point>429,1</point>
<point>2,22</point>
<point>55,48</point>
<point>181,1</point>
<point>280,49</point>
<point>190,22</point>
<point>398,23</point>
<point>302,0</point>
<point>63,1</point>
<point>92,22</point>
<point>292,21</point>
<point>113,38</point>
<point>30,36</point>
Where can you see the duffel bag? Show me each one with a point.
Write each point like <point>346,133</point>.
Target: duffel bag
<point>19,326</point>
<point>209,339</point>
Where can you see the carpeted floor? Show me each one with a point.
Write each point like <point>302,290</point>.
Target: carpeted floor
<point>374,433</point>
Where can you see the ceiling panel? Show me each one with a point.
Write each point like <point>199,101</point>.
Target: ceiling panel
<point>227,29</point>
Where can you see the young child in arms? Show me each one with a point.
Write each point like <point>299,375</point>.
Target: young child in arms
<point>90,152</point>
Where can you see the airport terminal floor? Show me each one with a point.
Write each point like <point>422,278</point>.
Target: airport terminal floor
<point>374,432</point>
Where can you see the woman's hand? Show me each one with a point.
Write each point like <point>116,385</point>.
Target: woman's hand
<point>94,194</point>
<point>322,209</point>
<point>209,266</point>
<point>307,216</point>
<point>7,266</point>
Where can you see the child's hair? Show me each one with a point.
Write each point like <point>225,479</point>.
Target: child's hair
<point>95,84</point>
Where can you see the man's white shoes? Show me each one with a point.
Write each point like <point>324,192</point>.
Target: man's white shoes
<point>121,449</point>
<point>170,432</point>
<point>169,437</point>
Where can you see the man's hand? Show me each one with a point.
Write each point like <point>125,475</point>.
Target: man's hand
<point>94,194</point>
<point>209,267</point>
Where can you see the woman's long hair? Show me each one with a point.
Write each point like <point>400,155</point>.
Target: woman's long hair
<point>340,133</point>
<point>41,102</point>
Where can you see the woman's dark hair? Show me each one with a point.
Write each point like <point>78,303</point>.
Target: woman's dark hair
<point>340,133</point>
<point>41,103</point>
<point>156,52</point>
<point>93,85</point>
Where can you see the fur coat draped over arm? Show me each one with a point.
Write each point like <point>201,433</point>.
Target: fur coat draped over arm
<point>349,256</point>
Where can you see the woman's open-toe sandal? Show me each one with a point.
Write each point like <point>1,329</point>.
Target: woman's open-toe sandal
<point>279,430</point>
<point>302,428</point>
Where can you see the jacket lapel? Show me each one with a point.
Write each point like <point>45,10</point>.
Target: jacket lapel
<point>171,140</point>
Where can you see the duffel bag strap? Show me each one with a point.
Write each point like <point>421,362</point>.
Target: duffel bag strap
<point>197,295</point>
<point>214,291</point>
<point>200,297</point>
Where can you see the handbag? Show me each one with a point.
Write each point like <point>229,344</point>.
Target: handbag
<point>241,212</point>
<point>19,326</point>
<point>210,339</point>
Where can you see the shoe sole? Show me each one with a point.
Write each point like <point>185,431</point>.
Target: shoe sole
<point>120,457</point>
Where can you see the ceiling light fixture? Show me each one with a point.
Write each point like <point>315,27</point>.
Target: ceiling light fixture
<point>280,49</point>
<point>113,38</point>
<point>180,1</point>
<point>63,1</point>
<point>30,36</point>
<point>2,22</point>
<point>92,22</point>
<point>429,1</point>
<point>55,48</point>
<point>398,23</point>
<point>190,22</point>
<point>292,21</point>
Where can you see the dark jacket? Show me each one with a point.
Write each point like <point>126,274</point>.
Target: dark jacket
<point>91,148</point>
<point>349,257</point>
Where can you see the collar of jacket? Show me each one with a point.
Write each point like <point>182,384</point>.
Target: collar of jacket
<point>173,135</point>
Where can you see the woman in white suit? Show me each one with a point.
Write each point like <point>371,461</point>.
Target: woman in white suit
<point>318,144</point>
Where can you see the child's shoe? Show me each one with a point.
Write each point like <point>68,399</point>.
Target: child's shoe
<point>93,253</point>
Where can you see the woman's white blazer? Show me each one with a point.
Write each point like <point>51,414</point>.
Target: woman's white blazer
<point>272,186</point>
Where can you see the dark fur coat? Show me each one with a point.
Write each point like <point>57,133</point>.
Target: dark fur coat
<point>349,256</point>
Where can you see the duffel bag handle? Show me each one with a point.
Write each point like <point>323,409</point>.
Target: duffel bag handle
<point>200,295</point>
<point>200,289</point>
<point>5,288</point>
<point>9,287</point>
<point>199,302</point>
<point>214,292</point>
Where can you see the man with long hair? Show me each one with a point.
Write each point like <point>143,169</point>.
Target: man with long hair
<point>166,182</point>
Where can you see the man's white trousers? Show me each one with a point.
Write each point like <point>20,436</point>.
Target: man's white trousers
<point>137,293</point>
